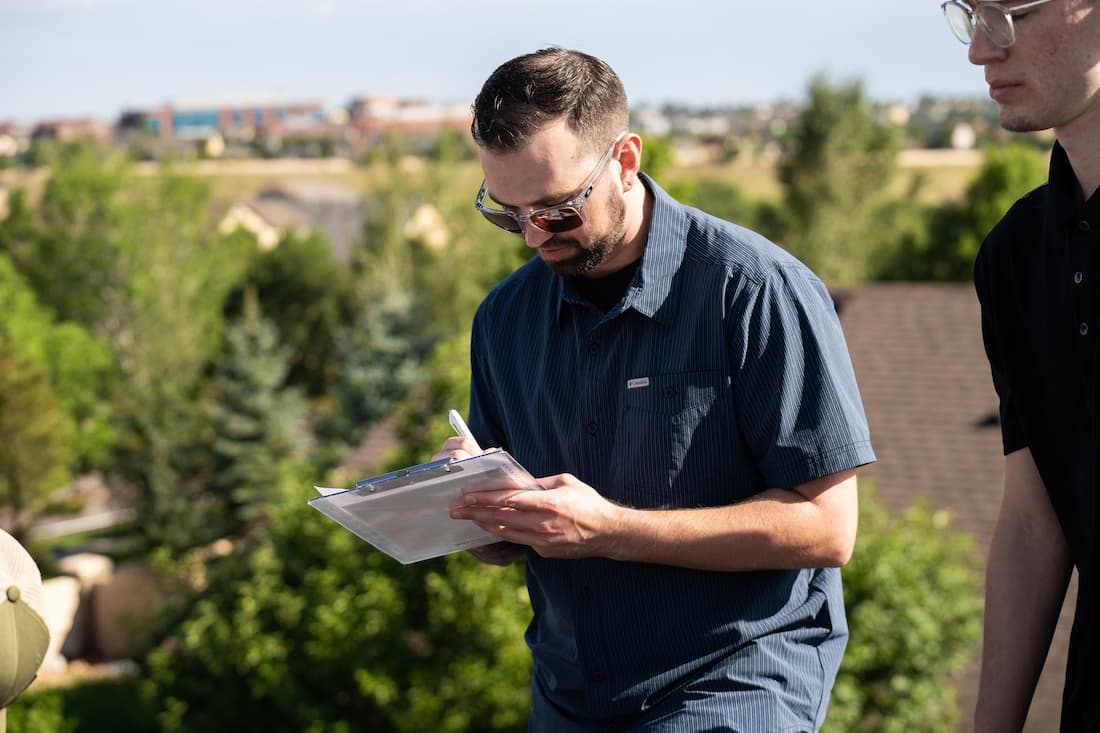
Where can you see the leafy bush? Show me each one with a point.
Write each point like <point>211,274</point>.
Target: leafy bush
<point>39,712</point>
<point>315,631</point>
<point>912,592</point>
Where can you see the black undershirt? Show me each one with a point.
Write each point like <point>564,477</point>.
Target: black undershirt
<point>605,292</point>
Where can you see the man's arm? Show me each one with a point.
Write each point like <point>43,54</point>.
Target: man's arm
<point>811,525</point>
<point>1026,577</point>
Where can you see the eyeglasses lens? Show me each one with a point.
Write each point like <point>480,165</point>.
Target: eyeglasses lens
<point>958,20</point>
<point>993,20</point>
<point>997,24</point>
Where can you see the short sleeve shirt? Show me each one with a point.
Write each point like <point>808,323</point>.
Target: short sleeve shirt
<point>1038,278</point>
<point>722,372</point>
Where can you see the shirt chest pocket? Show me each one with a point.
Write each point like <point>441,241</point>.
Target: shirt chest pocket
<point>671,428</point>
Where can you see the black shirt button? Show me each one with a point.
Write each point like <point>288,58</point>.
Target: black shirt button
<point>1084,329</point>
<point>1078,277</point>
<point>1083,225</point>
<point>592,427</point>
<point>593,346</point>
<point>671,391</point>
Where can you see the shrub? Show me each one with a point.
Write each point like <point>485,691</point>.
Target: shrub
<point>912,591</point>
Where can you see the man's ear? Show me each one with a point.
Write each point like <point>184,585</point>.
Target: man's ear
<point>630,160</point>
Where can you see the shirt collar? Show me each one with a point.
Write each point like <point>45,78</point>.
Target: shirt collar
<point>1064,207</point>
<point>1062,179</point>
<point>664,251</point>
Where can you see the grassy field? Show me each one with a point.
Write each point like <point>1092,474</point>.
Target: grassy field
<point>943,174</point>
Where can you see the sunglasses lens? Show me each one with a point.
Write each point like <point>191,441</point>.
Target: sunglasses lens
<point>503,221</point>
<point>558,220</point>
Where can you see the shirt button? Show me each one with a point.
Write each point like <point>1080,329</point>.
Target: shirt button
<point>598,677</point>
<point>593,346</point>
<point>671,391</point>
<point>1084,329</point>
<point>592,427</point>
<point>1078,277</point>
<point>1083,225</point>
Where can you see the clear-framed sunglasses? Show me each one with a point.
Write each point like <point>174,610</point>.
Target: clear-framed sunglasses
<point>563,217</point>
<point>995,19</point>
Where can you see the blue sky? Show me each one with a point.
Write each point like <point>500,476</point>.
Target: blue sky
<point>97,57</point>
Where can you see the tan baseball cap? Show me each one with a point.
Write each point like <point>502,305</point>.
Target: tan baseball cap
<point>24,636</point>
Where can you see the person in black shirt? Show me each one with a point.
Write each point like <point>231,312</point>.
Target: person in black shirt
<point>1036,277</point>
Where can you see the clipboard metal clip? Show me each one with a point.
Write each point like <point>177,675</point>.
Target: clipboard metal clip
<point>406,476</point>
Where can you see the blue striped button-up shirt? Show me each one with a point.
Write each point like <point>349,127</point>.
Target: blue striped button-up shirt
<point>721,373</point>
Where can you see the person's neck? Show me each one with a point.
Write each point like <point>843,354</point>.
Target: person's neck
<point>639,211</point>
<point>1082,147</point>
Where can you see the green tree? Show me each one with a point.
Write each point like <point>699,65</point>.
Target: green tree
<point>429,238</point>
<point>837,163</point>
<point>309,298</point>
<point>657,156</point>
<point>66,247</point>
<point>257,423</point>
<point>34,438</point>
<point>718,198</point>
<point>945,246</point>
<point>79,367</point>
<point>136,261</point>
<point>379,360</point>
<point>912,593</point>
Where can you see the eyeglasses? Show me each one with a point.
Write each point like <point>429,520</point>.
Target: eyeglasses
<point>562,217</point>
<point>994,19</point>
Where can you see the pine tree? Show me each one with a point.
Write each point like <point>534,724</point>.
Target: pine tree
<point>255,418</point>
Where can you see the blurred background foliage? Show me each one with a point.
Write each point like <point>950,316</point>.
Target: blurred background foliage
<point>214,382</point>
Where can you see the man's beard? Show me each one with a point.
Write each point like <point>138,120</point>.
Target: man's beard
<point>597,252</point>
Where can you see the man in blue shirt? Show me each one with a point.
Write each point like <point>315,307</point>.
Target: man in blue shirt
<point>683,388</point>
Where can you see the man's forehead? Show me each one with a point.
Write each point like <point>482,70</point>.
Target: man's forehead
<point>546,171</point>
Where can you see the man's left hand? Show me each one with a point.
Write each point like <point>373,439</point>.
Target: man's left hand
<point>568,519</point>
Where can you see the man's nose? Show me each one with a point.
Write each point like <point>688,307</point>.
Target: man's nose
<point>983,49</point>
<point>533,236</point>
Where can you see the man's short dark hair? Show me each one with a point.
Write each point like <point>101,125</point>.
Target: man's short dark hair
<point>529,91</point>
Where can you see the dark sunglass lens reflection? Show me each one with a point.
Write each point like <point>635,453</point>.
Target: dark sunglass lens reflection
<point>563,220</point>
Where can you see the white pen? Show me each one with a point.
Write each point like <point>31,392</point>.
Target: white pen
<point>460,427</point>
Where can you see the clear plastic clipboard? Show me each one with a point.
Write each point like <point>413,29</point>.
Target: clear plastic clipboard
<point>406,513</point>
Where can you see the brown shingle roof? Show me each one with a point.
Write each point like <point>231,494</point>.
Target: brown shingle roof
<point>918,357</point>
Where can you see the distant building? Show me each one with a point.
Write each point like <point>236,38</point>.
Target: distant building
<point>302,206</point>
<point>65,130</point>
<point>374,117</point>
<point>242,118</point>
<point>13,139</point>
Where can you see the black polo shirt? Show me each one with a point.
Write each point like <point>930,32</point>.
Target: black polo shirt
<point>1037,279</point>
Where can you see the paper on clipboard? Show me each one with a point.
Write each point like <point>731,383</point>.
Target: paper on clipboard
<point>406,513</point>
